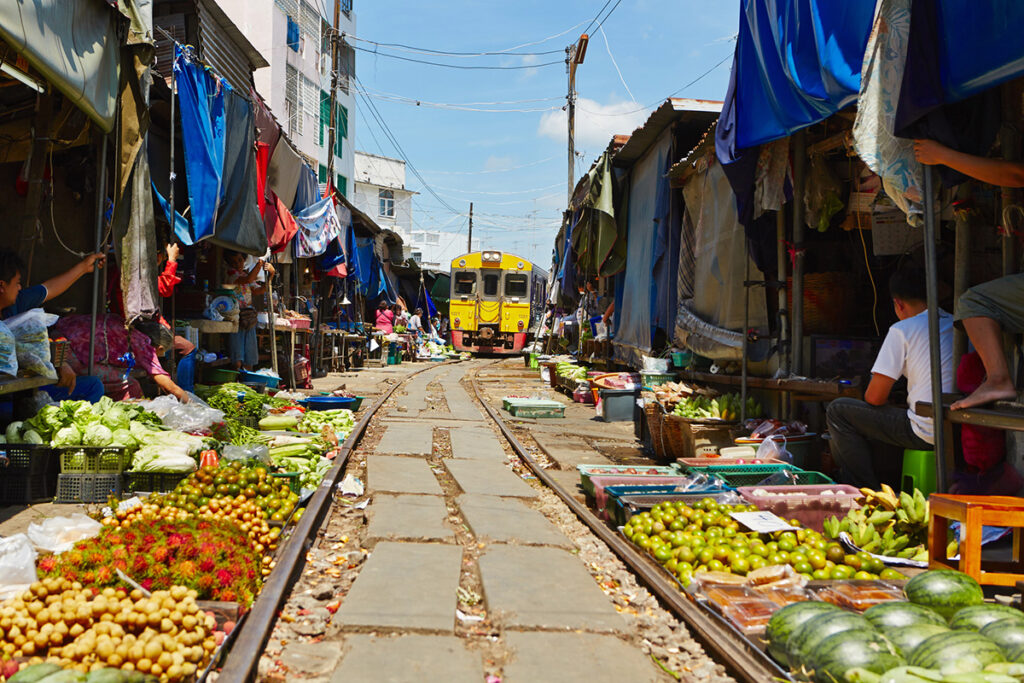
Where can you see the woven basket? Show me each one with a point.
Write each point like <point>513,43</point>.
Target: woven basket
<point>696,438</point>
<point>58,352</point>
<point>828,298</point>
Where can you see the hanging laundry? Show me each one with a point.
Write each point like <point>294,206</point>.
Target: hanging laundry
<point>307,192</point>
<point>771,177</point>
<point>318,227</point>
<point>239,224</point>
<point>890,157</point>
<point>201,102</point>
<point>278,223</point>
<point>283,172</point>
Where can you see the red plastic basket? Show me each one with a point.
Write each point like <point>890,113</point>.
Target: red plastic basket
<point>810,509</point>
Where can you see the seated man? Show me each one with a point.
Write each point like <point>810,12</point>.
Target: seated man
<point>985,309</point>
<point>15,299</point>
<point>854,424</point>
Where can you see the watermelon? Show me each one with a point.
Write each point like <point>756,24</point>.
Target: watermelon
<point>960,650</point>
<point>906,638</point>
<point>976,616</point>
<point>840,652</point>
<point>1016,654</point>
<point>816,629</point>
<point>899,614</point>
<point>944,590</point>
<point>785,621</point>
<point>1006,633</point>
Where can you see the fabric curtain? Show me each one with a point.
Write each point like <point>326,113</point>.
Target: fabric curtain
<point>666,256</point>
<point>134,234</point>
<point>307,191</point>
<point>600,248</point>
<point>318,226</point>
<point>283,172</point>
<point>279,224</point>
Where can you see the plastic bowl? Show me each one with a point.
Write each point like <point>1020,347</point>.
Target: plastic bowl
<point>256,378</point>
<point>330,403</point>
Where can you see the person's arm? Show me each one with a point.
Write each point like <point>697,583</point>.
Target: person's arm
<point>992,171</point>
<point>67,378</point>
<point>879,388</point>
<point>59,284</point>
<point>167,384</point>
<point>609,311</point>
<point>252,274</point>
<point>168,279</point>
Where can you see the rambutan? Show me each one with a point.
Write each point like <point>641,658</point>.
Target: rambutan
<point>140,564</point>
<point>161,554</point>
<point>47,564</point>
<point>185,570</point>
<point>104,575</point>
<point>225,577</point>
<point>207,565</point>
<point>147,584</point>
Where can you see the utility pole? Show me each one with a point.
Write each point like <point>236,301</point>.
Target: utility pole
<point>574,55</point>
<point>469,240</point>
<point>331,132</point>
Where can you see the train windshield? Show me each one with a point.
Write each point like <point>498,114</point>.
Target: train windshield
<point>516,284</point>
<point>491,281</point>
<point>465,283</point>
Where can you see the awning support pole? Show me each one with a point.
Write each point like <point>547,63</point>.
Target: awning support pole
<point>931,275</point>
<point>799,188</point>
<point>746,338</point>
<point>170,202</point>
<point>101,191</point>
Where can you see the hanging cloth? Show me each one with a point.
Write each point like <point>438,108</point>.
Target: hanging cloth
<point>278,223</point>
<point>262,162</point>
<point>307,192</point>
<point>201,98</point>
<point>283,172</point>
<point>318,227</point>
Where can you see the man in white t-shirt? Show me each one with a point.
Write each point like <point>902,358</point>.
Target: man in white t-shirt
<point>853,424</point>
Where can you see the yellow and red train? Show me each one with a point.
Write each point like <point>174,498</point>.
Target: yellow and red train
<point>497,300</point>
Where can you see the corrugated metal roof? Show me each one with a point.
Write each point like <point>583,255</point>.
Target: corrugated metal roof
<point>697,114</point>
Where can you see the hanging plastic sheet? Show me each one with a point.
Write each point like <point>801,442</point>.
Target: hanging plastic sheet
<point>318,227</point>
<point>599,247</point>
<point>283,172</point>
<point>201,102</point>
<point>797,62</point>
<point>665,258</point>
<point>239,224</point>
<point>366,266</point>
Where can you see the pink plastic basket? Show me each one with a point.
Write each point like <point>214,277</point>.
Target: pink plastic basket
<point>810,509</point>
<point>600,483</point>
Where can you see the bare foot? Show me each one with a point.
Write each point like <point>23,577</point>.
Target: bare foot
<point>987,393</point>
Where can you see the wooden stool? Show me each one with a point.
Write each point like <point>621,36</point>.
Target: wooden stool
<point>974,512</point>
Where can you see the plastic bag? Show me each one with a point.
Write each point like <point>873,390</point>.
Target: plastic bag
<point>774,447</point>
<point>259,453</point>
<point>17,565</point>
<point>32,341</point>
<point>655,365</point>
<point>194,416</point>
<point>8,357</point>
<point>58,534</point>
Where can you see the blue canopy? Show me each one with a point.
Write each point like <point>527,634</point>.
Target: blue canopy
<point>797,62</point>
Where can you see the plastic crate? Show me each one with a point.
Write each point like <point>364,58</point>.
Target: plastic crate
<point>93,460</point>
<point>751,475</point>
<point>293,478</point>
<point>811,509</point>
<point>654,379</point>
<point>601,483</point>
<point>153,482</point>
<point>87,488</point>
<point>589,471</point>
<point>30,475</point>
<point>23,456</point>
<point>626,506</point>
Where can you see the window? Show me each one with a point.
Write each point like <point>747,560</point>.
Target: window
<point>325,115</point>
<point>491,281</point>
<point>417,256</point>
<point>433,238</point>
<point>342,186</point>
<point>516,284</point>
<point>341,133</point>
<point>322,175</point>
<point>293,34</point>
<point>465,283</point>
<point>293,99</point>
<point>386,203</point>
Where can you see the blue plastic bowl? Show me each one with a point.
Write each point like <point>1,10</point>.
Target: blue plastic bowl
<point>329,403</point>
<point>269,382</point>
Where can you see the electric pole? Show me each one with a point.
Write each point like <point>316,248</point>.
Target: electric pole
<point>469,240</point>
<point>574,55</point>
<point>334,90</point>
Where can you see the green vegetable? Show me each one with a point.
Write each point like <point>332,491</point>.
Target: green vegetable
<point>97,434</point>
<point>68,436</point>
<point>14,432</point>
<point>34,673</point>
<point>274,422</point>
<point>31,436</point>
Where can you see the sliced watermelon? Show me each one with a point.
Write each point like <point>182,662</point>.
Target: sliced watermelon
<point>906,638</point>
<point>944,590</point>
<point>840,652</point>
<point>962,650</point>
<point>902,614</point>
<point>973,618</point>
<point>1008,634</point>
<point>785,621</point>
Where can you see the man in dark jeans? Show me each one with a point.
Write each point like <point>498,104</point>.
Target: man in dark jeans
<point>853,424</point>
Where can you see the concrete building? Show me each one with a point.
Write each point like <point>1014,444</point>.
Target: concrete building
<point>294,38</point>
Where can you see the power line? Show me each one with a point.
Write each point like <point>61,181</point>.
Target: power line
<point>449,53</point>
<point>587,29</point>
<point>458,66</point>
<point>616,65</point>
<point>469,104</point>
<point>494,170</point>
<point>454,107</point>
<point>614,7</point>
<point>532,189</point>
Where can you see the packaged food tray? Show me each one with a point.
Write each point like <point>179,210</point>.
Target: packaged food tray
<point>87,488</point>
<point>625,505</point>
<point>808,504</point>
<point>750,475</point>
<point>602,482</point>
<point>93,459</point>
<point>153,482</point>
<point>588,471</point>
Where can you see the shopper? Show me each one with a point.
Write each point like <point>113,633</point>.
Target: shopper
<point>243,349</point>
<point>15,299</point>
<point>987,309</point>
<point>853,424</point>
<point>385,319</point>
<point>415,322</point>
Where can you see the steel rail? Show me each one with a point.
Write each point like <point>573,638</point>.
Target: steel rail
<point>243,658</point>
<point>742,659</point>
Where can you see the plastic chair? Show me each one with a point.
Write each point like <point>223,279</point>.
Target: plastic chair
<point>918,471</point>
<point>186,378</point>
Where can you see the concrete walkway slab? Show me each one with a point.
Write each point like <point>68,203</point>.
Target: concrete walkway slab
<point>504,520</point>
<point>408,517</point>
<point>568,451</point>
<point>409,438</point>
<point>575,658</point>
<point>476,443</point>
<point>544,588</point>
<point>400,475</point>
<point>408,659</point>
<point>405,585</point>
<point>489,478</point>
<point>460,405</point>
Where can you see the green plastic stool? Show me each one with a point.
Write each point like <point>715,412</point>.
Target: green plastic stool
<point>918,471</point>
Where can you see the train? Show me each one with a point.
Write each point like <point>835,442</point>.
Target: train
<point>497,302</point>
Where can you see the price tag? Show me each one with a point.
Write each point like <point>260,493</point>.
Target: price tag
<point>762,521</point>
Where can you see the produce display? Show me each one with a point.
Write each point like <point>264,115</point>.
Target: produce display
<point>341,422</point>
<point>726,407</point>
<point>670,394</point>
<point>304,455</point>
<point>231,490</point>
<point>886,524</point>
<point>80,423</point>
<point>571,371</point>
<point>236,400</point>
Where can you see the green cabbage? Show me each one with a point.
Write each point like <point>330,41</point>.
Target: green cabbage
<point>97,434</point>
<point>68,436</point>
<point>160,458</point>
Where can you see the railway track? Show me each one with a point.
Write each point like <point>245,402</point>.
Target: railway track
<point>241,661</point>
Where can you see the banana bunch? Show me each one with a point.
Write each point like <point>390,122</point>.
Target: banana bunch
<point>886,524</point>
<point>726,407</point>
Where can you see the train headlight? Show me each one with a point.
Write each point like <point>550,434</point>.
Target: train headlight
<point>520,325</point>
<point>457,322</point>
<point>462,263</point>
<point>520,265</point>
<point>491,256</point>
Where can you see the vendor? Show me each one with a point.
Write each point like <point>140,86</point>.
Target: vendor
<point>853,424</point>
<point>243,343</point>
<point>415,322</point>
<point>385,318</point>
<point>15,299</point>
<point>147,340</point>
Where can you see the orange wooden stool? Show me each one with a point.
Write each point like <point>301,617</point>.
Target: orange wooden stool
<point>974,512</point>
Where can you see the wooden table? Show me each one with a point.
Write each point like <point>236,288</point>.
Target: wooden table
<point>817,389</point>
<point>15,384</point>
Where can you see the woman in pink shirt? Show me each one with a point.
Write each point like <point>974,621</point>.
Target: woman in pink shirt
<point>385,321</point>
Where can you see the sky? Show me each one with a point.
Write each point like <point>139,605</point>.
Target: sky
<point>513,165</point>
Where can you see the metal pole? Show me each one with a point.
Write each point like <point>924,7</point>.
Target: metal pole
<point>961,278</point>
<point>784,347</point>
<point>331,132</point>
<point>101,191</point>
<point>170,203</point>
<point>469,240</point>
<point>934,342</point>
<point>746,343</point>
<point>799,185</point>
<point>272,319</point>
<point>570,110</point>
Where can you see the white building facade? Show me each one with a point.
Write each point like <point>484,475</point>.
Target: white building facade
<point>294,36</point>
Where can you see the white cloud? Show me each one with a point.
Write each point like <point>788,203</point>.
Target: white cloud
<point>596,123</point>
